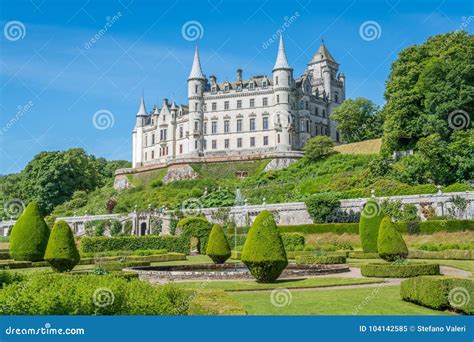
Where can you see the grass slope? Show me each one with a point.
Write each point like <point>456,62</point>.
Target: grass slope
<point>371,146</point>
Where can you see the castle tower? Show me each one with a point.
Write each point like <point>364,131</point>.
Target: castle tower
<point>323,69</point>
<point>282,84</point>
<point>137,134</point>
<point>196,86</point>
<point>174,114</point>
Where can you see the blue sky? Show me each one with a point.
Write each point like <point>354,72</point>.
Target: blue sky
<point>54,78</point>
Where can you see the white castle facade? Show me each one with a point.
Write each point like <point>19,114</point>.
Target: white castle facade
<point>264,114</point>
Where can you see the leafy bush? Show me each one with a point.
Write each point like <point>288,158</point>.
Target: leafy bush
<point>9,264</point>
<point>320,260</point>
<point>218,248</point>
<point>139,252</point>
<point>9,277</point>
<point>318,147</point>
<point>321,206</point>
<point>61,252</point>
<point>316,228</point>
<point>445,254</point>
<point>131,243</point>
<point>431,246</point>
<point>439,292</point>
<point>390,243</point>
<point>194,227</point>
<point>91,295</point>
<point>236,239</point>
<point>4,255</point>
<point>291,240</point>
<point>433,226</point>
<point>264,253</point>
<point>369,226</point>
<point>398,270</point>
<point>29,236</point>
<point>363,255</point>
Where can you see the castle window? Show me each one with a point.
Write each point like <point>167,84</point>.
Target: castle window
<point>239,104</point>
<point>289,80</point>
<point>265,141</point>
<point>316,111</point>
<point>278,137</point>
<point>226,105</point>
<point>180,131</point>
<point>226,143</point>
<point>162,134</point>
<point>301,104</point>
<point>288,99</point>
<point>205,144</point>
<point>145,156</point>
<point>146,140</point>
<point>306,105</point>
<point>336,97</point>
<point>196,106</point>
<point>252,124</point>
<point>278,98</point>
<point>264,84</point>
<point>302,126</point>
<point>214,90</point>
<point>324,113</point>
<point>239,125</point>
<point>265,123</point>
<point>251,85</point>
<point>196,125</point>
<point>307,126</point>
<point>214,144</point>
<point>214,127</point>
<point>196,144</point>
<point>181,148</point>
<point>252,141</point>
<point>196,88</point>
<point>226,88</point>
<point>239,142</point>
<point>152,154</point>
<point>226,126</point>
<point>239,87</point>
<point>205,127</point>
<point>252,103</point>
<point>265,101</point>
<point>276,80</point>
<point>214,106</point>
<point>153,140</point>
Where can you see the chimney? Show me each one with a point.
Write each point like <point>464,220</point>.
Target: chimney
<point>239,75</point>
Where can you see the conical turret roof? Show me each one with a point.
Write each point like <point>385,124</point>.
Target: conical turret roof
<point>196,71</point>
<point>281,61</point>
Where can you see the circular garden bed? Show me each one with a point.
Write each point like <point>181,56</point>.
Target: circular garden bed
<point>399,270</point>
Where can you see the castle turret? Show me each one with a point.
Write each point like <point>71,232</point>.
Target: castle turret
<point>282,84</point>
<point>137,134</point>
<point>174,114</point>
<point>196,85</point>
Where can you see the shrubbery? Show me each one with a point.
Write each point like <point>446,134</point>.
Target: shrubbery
<point>194,226</point>
<point>29,236</point>
<point>316,228</point>
<point>264,253</point>
<point>444,254</point>
<point>390,243</point>
<point>398,270</point>
<point>369,226</point>
<point>61,252</point>
<point>321,206</point>
<point>91,295</point>
<point>362,255</point>
<point>320,259</point>
<point>131,243</point>
<point>218,248</point>
<point>439,292</point>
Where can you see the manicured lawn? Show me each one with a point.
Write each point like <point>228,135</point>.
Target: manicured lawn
<point>467,265</point>
<point>242,285</point>
<point>362,301</point>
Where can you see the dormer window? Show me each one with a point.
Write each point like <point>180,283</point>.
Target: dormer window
<point>239,87</point>
<point>251,85</point>
<point>264,84</point>
<point>226,88</point>
<point>214,90</point>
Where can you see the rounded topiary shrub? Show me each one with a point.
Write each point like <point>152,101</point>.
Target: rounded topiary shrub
<point>61,252</point>
<point>218,248</point>
<point>192,228</point>
<point>390,242</point>
<point>263,252</point>
<point>29,235</point>
<point>369,223</point>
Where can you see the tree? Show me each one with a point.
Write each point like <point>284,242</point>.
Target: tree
<point>321,206</point>
<point>61,252</point>
<point>218,248</point>
<point>264,253</point>
<point>318,147</point>
<point>358,119</point>
<point>427,83</point>
<point>390,243</point>
<point>29,236</point>
<point>369,226</point>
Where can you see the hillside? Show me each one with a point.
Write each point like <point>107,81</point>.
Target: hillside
<point>371,146</point>
<point>347,174</point>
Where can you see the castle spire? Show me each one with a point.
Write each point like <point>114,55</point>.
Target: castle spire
<point>281,61</point>
<point>322,54</point>
<point>196,71</point>
<point>142,109</point>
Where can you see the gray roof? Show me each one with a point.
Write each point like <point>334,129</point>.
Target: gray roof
<point>196,71</point>
<point>322,54</point>
<point>281,61</point>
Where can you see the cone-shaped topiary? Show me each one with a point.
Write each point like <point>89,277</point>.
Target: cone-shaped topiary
<point>390,242</point>
<point>61,253</point>
<point>369,223</point>
<point>29,235</point>
<point>218,248</point>
<point>264,253</point>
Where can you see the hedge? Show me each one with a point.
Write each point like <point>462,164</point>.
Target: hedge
<point>218,248</point>
<point>320,260</point>
<point>439,292</point>
<point>398,270</point>
<point>429,227</point>
<point>139,252</point>
<point>9,277</point>
<point>316,228</point>
<point>390,243</point>
<point>130,243</point>
<point>146,258</point>
<point>362,255</point>
<point>10,264</point>
<point>61,252</point>
<point>57,294</point>
<point>289,239</point>
<point>369,224</point>
<point>446,254</point>
<point>119,265</point>
<point>4,255</point>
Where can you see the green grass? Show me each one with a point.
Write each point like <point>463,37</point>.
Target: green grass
<point>244,285</point>
<point>227,170</point>
<point>467,265</point>
<point>362,301</point>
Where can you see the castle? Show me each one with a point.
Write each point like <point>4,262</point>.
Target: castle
<point>260,116</point>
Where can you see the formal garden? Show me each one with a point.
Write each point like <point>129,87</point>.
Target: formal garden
<point>375,266</point>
